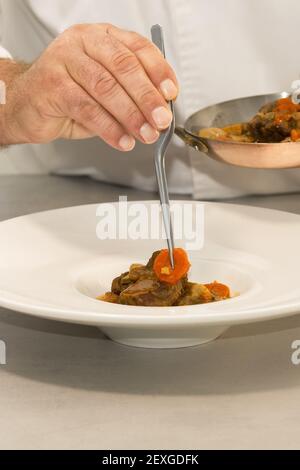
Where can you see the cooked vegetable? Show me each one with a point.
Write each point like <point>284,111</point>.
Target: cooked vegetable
<point>275,122</point>
<point>109,297</point>
<point>295,135</point>
<point>195,294</point>
<point>141,286</point>
<point>163,269</point>
<point>218,291</point>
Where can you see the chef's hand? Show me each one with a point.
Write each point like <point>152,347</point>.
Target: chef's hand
<point>93,80</point>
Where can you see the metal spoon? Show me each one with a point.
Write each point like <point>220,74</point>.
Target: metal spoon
<point>160,153</point>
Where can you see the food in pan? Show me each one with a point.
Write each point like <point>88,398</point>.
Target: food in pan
<point>158,285</point>
<point>278,121</point>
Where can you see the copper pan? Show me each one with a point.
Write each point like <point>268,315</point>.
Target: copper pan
<point>250,155</point>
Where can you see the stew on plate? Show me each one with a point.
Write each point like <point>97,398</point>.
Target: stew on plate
<point>156,284</point>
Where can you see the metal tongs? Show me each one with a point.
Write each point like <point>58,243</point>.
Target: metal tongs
<point>160,153</point>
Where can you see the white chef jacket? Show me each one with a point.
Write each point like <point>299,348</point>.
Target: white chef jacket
<point>220,49</point>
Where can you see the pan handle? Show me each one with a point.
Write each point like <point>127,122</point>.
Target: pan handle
<point>191,140</point>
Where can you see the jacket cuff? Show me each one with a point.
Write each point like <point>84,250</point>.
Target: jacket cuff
<point>4,54</point>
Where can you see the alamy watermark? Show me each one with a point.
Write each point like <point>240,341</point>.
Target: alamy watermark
<point>143,221</point>
<point>295,358</point>
<point>2,92</point>
<point>2,353</point>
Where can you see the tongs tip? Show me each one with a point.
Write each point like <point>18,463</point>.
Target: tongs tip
<point>172,261</point>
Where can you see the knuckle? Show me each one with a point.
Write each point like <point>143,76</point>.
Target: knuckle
<point>148,97</point>
<point>83,108</point>
<point>89,112</point>
<point>139,42</point>
<point>107,40</point>
<point>125,62</point>
<point>104,84</point>
<point>134,119</point>
<point>110,131</point>
<point>57,47</point>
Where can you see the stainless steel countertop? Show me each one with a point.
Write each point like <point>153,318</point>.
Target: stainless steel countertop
<point>67,387</point>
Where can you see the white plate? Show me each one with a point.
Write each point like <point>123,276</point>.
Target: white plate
<point>53,266</point>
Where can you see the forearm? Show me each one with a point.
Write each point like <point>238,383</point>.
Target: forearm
<point>9,72</point>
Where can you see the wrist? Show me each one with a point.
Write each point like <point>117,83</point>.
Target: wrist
<point>10,72</point>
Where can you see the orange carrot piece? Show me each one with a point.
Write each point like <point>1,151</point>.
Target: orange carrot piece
<point>163,269</point>
<point>295,135</point>
<point>219,291</point>
<point>286,104</point>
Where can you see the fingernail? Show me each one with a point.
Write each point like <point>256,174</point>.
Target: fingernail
<point>149,134</point>
<point>169,89</point>
<point>162,117</point>
<point>127,143</point>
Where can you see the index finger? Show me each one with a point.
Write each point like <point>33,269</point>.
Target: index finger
<point>156,66</point>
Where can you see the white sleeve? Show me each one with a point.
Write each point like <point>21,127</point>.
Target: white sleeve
<point>4,54</point>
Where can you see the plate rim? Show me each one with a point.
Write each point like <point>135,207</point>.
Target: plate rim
<point>245,315</point>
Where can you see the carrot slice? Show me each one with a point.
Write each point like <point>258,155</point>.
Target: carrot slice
<point>219,291</point>
<point>286,105</point>
<point>295,135</point>
<point>163,269</point>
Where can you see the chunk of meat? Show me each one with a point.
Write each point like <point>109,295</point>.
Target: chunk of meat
<point>151,261</point>
<point>275,121</point>
<point>121,283</point>
<point>139,272</point>
<point>265,127</point>
<point>152,293</point>
<point>195,294</point>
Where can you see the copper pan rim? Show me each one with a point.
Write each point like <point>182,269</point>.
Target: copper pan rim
<point>244,154</point>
